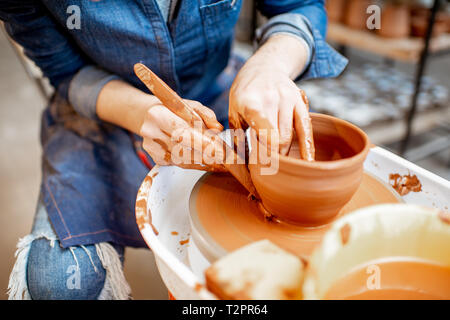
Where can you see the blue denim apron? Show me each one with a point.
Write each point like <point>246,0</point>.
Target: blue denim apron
<point>91,173</point>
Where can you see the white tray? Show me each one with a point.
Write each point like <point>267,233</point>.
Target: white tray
<point>166,191</point>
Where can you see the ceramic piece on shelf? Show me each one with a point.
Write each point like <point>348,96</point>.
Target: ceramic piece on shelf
<point>420,20</point>
<point>335,10</point>
<point>395,21</point>
<point>355,15</point>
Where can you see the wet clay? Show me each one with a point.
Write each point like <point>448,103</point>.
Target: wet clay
<point>142,217</point>
<point>444,216</point>
<point>304,131</point>
<point>226,217</point>
<point>345,233</point>
<point>312,193</point>
<point>405,184</point>
<point>183,242</point>
<point>399,279</point>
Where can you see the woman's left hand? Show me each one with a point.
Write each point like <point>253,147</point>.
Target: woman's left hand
<point>265,98</point>
<point>263,95</point>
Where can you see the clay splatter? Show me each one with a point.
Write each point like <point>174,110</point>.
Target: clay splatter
<point>405,184</point>
<point>198,287</point>
<point>183,242</point>
<point>174,233</point>
<point>155,231</point>
<point>143,218</point>
<point>345,233</point>
<point>445,216</point>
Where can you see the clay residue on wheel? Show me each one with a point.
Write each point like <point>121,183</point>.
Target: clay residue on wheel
<point>231,221</point>
<point>345,233</point>
<point>143,213</point>
<point>198,287</point>
<point>405,184</point>
<point>142,219</point>
<point>444,216</point>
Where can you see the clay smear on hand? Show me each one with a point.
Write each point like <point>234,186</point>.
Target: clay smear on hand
<point>405,184</point>
<point>302,125</point>
<point>303,129</point>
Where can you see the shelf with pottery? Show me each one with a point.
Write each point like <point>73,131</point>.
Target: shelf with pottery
<point>403,49</point>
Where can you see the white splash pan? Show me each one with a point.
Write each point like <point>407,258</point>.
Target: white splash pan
<point>165,193</point>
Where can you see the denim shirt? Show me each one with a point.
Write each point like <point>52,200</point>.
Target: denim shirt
<point>90,170</point>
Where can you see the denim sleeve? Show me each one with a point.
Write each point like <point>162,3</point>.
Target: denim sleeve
<point>85,88</point>
<point>291,24</point>
<point>325,62</point>
<point>29,24</point>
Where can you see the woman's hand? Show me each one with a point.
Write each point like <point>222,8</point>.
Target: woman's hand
<point>263,95</point>
<point>167,137</point>
<point>265,98</point>
<point>163,131</point>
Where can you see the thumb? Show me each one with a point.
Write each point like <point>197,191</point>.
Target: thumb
<point>208,116</point>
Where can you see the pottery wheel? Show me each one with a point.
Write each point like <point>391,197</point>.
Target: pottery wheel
<point>224,219</point>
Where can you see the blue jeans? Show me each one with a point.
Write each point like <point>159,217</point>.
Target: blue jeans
<point>45,270</point>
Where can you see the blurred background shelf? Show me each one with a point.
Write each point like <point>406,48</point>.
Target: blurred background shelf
<point>403,49</point>
<point>409,31</point>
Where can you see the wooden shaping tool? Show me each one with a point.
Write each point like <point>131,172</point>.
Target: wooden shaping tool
<point>177,105</point>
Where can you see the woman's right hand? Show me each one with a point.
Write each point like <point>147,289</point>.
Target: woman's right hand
<point>168,137</point>
<point>163,131</point>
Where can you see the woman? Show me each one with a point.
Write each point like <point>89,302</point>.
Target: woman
<point>90,170</point>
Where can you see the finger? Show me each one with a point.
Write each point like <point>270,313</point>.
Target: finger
<point>170,152</point>
<point>238,126</point>
<point>265,123</point>
<point>286,125</point>
<point>234,119</point>
<point>185,156</point>
<point>208,116</point>
<point>303,129</point>
<point>166,120</point>
<point>159,154</point>
<point>186,143</point>
<point>157,131</point>
<point>208,149</point>
<point>305,99</point>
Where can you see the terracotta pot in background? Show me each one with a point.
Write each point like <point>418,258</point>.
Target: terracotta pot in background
<point>395,21</point>
<point>447,18</point>
<point>336,10</point>
<point>312,193</point>
<point>356,15</point>
<point>419,22</point>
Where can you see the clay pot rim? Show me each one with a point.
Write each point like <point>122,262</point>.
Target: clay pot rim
<point>333,164</point>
